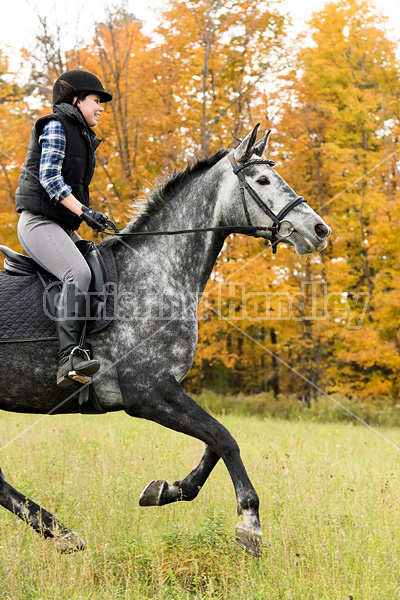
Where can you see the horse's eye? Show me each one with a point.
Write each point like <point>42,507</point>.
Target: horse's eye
<point>263,180</point>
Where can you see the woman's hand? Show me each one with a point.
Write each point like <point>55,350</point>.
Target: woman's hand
<point>94,218</point>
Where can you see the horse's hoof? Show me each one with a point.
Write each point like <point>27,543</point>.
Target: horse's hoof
<point>249,539</point>
<point>151,495</point>
<point>68,543</point>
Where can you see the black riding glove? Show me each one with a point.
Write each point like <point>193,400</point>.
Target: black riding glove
<point>94,218</point>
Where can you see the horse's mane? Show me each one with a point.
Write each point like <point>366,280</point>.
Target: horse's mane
<point>166,188</point>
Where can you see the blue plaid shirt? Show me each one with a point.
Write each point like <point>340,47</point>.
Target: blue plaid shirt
<point>53,144</point>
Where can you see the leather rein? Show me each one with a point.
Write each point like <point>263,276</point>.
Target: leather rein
<point>237,167</point>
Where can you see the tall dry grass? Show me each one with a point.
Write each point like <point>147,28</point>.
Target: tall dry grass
<point>330,499</point>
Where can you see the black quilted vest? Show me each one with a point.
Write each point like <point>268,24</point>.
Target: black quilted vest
<point>77,169</point>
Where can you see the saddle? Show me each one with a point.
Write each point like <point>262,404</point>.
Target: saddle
<point>28,293</point>
<point>27,299</point>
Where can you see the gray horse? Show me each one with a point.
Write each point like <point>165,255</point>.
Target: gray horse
<point>148,350</point>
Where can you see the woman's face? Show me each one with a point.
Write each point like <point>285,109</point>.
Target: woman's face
<point>91,109</point>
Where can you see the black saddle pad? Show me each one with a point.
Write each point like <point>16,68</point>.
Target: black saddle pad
<point>25,313</point>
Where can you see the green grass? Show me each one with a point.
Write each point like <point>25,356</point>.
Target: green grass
<point>330,499</point>
<point>333,409</point>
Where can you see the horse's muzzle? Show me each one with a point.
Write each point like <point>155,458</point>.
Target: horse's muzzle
<point>322,231</point>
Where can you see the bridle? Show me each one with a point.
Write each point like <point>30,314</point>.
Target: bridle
<point>277,220</point>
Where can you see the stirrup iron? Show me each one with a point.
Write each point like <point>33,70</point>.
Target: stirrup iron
<point>75,375</point>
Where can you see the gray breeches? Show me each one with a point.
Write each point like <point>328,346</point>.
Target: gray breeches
<point>54,249</point>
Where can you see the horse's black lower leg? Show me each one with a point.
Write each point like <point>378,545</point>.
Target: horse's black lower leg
<point>165,402</point>
<point>37,517</point>
<point>160,492</point>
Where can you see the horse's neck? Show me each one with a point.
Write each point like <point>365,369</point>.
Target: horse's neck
<point>185,258</point>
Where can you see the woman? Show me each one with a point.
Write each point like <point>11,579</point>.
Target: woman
<point>53,199</point>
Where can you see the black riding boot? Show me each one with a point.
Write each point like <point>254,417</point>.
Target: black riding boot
<point>71,317</point>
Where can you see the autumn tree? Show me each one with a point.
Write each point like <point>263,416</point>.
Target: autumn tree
<point>14,128</point>
<point>336,148</point>
<point>337,122</point>
<point>220,52</point>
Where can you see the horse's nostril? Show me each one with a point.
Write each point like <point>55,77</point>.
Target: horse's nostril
<point>322,231</point>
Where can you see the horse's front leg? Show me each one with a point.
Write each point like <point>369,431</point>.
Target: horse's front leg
<point>164,401</point>
<point>37,517</point>
<point>160,492</point>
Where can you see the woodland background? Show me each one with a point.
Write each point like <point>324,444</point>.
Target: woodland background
<point>332,98</point>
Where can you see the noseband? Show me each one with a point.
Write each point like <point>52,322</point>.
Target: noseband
<point>276,219</point>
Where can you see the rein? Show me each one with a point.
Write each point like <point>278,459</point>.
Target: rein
<point>230,228</point>
<point>238,167</point>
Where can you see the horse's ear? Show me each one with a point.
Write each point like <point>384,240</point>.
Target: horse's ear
<point>245,148</point>
<point>261,145</point>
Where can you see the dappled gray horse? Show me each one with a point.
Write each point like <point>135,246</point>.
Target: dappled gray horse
<point>148,350</point>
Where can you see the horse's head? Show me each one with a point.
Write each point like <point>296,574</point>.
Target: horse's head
<point>254,194</point>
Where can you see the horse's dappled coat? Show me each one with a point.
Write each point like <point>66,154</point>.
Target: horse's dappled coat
<point>149,349</point>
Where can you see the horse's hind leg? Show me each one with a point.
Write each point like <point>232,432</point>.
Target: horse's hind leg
<point>166,403</point>
<point>37,517</point>
<point>160,492</point>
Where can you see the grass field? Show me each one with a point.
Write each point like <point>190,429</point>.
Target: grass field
<point>330,500</point>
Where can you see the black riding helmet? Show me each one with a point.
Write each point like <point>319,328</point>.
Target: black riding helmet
<point>81,81</point>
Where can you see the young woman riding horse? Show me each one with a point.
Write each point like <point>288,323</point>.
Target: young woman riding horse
<point>148,349</point>
<point>53,199</point>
